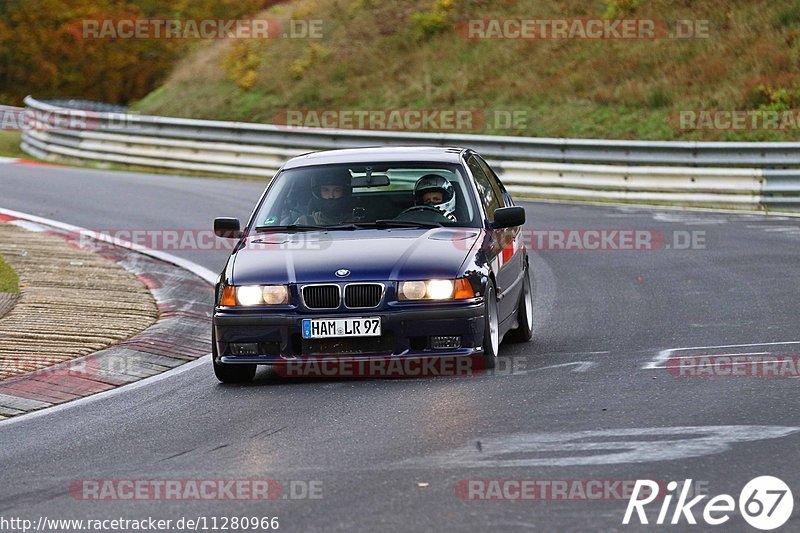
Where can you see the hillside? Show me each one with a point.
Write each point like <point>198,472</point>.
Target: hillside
<point>413,54</point>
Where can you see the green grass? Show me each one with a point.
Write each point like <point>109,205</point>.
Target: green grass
<point>9,144</point>
<point>408,54</point>
<point>9,282</point>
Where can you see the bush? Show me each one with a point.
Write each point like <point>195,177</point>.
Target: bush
<point>434,21</point>
<point>616,9</point>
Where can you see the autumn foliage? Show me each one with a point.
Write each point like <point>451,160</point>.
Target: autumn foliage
<point>43,52</point>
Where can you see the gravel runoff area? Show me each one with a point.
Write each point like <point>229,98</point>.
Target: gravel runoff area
<point>71,303</point>
<point>7,301</point>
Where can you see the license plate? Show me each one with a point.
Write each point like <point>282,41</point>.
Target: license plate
<point>324,328</point>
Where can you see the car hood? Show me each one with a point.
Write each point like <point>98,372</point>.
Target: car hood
<point>369,255</point>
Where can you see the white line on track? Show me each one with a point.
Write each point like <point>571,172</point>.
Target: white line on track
<point>657,362</point>
<point>580,366</point>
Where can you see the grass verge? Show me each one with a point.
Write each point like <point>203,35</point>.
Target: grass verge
<point>9,282</point>
<point>9,144</point>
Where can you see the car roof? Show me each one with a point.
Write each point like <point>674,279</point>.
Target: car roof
<point>394,154</point>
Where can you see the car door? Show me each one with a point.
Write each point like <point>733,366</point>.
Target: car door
<point>512,239</point>
<point>503,242</point>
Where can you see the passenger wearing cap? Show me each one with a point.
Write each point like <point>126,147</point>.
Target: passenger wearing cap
<point>332,201</point>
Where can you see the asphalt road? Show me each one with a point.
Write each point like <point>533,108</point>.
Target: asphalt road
<point>579,403</point>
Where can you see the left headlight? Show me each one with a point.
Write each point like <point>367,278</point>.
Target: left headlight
<point>435,289</point>
<point>250,295</point>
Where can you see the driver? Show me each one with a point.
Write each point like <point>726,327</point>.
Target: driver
<point>332,200</point>
<point>435,191</point>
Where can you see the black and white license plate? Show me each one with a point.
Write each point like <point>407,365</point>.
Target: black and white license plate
<point>325,328</point>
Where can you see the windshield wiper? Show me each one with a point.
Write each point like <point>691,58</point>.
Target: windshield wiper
<point>304,227</point>
<point>389,223</point>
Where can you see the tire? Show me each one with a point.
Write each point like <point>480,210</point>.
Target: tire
<point>491,327</point>
<point>230,373</point>
<point>524,330</point>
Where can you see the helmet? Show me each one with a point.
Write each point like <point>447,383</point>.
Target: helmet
<point>436,183</point>
<point>332,207</point>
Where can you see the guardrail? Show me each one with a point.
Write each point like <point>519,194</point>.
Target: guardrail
<point>637,171</point>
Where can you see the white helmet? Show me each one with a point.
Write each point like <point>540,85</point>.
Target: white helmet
<point>436,183</point>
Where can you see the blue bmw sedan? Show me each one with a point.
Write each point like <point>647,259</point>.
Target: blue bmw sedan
<point>394,253</point>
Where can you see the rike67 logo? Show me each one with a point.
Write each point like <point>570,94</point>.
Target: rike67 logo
<point>765,503</point>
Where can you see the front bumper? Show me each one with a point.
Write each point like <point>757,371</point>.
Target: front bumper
<point>405,332</point>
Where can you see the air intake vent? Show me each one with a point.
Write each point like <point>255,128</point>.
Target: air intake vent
<point>363,295</point>
<point>321,296</point>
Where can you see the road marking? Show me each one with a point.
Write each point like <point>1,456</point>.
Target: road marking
<point>657,363</point>
<point>581,366</point>
<point>689,219</point>
<point>603,447</point>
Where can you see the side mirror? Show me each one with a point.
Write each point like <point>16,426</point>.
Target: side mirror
<point>509,217</point>
<point>227,228</point>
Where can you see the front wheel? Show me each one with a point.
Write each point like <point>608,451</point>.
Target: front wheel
<point>230,373</point>
<point>491,329</point>
<point>524,330</point>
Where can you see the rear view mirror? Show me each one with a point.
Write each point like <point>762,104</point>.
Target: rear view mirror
<point>375,180</point>
<point>227,228</point>
<point>509,217</point>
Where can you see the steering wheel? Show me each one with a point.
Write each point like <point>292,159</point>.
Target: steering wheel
<point>425,210</point>
<point>429,208</point>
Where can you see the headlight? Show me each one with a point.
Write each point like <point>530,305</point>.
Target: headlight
<point>275,295</point>
<point>413,290</point>
<point>435,289</point>
<point>250,295</point>
<point>440,289</point>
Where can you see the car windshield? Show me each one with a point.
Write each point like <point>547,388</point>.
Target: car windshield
<point>373,195</point>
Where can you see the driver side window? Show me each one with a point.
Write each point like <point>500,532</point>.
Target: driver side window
<point>489,197</point>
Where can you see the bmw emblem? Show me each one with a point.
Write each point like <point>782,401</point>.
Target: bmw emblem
<point>342,273</point>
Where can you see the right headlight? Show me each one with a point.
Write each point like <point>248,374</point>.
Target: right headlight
<point>435,289</point>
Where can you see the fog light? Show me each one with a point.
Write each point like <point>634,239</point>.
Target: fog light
<point>244,348</point>
<point>440,343</point>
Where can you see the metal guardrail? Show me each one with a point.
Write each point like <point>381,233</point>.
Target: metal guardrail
<point>638,171</point>
<point>88,105</point>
